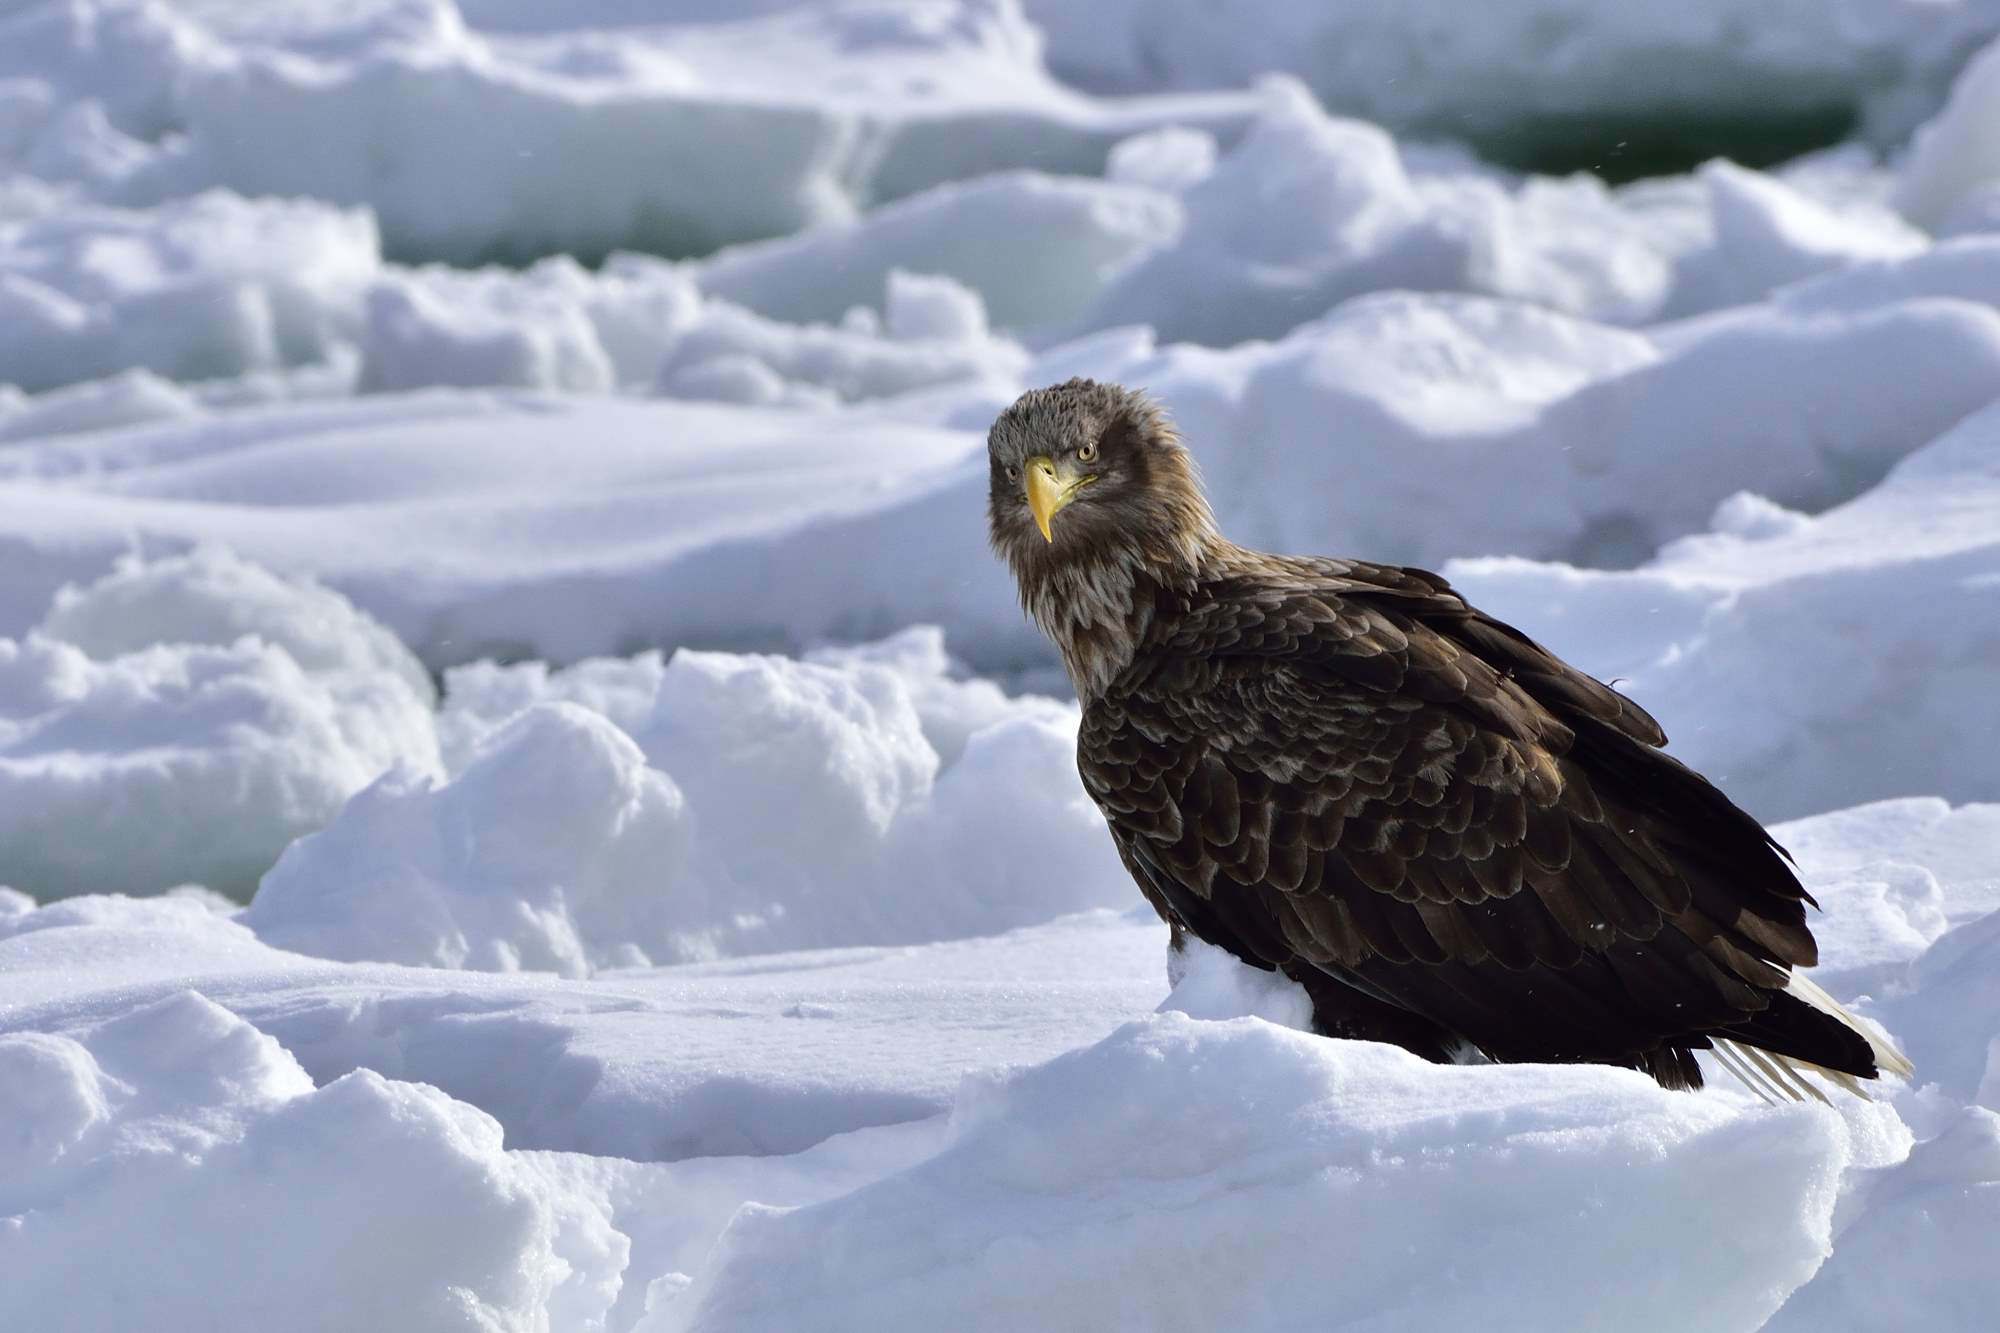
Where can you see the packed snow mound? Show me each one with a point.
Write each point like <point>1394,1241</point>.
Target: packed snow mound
<point>639,322</point>
<point>1807,663</point>
<point>196,288</point>
<point>555,849</point>
<point>1169,159</point>
<point>1037,248</point>
<point>1212,983</point>
<point>60,948</point>
<point>472,145</point>
<point>1300,211</point>
<point>1918,1254</point>
<point>951,705</point>
<point>743,524</point>
<point>1767,234</point>
<point>177,1131</point>
<point>1954,844</point>
<point>1965,268</point>
<point>846,746</point>
<point>497,332</point>
<point>183,720</point>
<point>935,335</point>
<point>126,398</point>
<point>676,1068</point>
<point>757,1056</point>
<point>561,844</point>
<point>99,300</point>
<point>1525,76</point>
<point>673,1211</point>
<point>1304,211</point>
<point>1307,210</point>
<point>212,596</point>
<point>1895,881</point>
<point>1182,1174</point>
<point>484,524</point>
<point>1949,1004</point>
<point>1951,180</point>
<point>1394,420</point>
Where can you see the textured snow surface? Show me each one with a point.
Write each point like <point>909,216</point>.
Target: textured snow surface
<point>123,1133</point>
<point>184,720</point>
<point>527,803</point>
<point>1887,609</point>
<point>1514,67</point>
<point>1951,181</point>
<point>1181,1174</point>
<point>561,843</point>
<point>1152,1170</point>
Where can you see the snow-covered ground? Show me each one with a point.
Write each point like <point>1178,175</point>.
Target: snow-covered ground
<point>516,762</point>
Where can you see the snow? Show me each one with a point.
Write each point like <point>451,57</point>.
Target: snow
<point>1209,983</point>
<point>1159,1136</point>
<point>1621,445</point>
<point>551,835</point>
<point>1036,247</point>
<point>196,288</point>
<point>528,804</point>
<point>936,335</point>
<point>394,107</point>
<point>1864,631</point>
<point>1926,1223</point>
<point>164,1130</point>
<point>1768,234</point>
<point>1181,1174</point>
<point>1308,209</point>
<point>184,720</point>
<point>211,597</point>
<point>1514,73</point>
<point>693,508</point>
<point>749,1056</point>
<point>644,515</point>
<point>1949,182</point>
<point>96,299</point>
<point>1950,1004</point>
<point>1301,211</point>
<point>563,843</point>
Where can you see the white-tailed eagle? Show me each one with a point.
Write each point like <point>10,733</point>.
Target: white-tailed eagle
<point>1340,770</point>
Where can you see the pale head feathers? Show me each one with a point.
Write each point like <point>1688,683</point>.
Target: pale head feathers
<point>1142,524</point>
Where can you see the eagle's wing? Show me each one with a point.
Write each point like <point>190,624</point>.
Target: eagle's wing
<point>1343,767</point>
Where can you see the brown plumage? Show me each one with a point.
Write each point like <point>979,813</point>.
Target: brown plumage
<point>1341,770</point>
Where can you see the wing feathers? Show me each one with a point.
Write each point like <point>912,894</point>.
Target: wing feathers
<point>1339,767</point>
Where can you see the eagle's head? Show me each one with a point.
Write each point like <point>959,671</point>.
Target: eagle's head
<point>1090,472</point>
<point>1091,497</point>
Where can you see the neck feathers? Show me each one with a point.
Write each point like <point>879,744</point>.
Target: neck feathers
<point>1097,607</point>
<point>1143,536</point>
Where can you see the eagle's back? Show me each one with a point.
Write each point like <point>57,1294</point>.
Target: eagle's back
<point>1343,770</point>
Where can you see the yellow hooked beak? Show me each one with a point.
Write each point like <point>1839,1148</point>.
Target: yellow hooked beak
<point>1050,487</point>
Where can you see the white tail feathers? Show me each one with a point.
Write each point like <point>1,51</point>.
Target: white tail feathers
<point>1887,1058</point>
<point>1780,1078</point>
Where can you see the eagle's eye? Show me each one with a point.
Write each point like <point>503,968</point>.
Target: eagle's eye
<point>1013,473</point>
<point>1087,454</point>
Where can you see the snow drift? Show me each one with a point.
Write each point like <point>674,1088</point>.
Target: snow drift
<point>684,961</point>
<point>1539,75</point>
<point>1190,1175</point>
<point>1825,650</point>
<point>176,1132</point>
<point>757,804</point>
<point>1245,1132</point>
<point>183,720</point>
